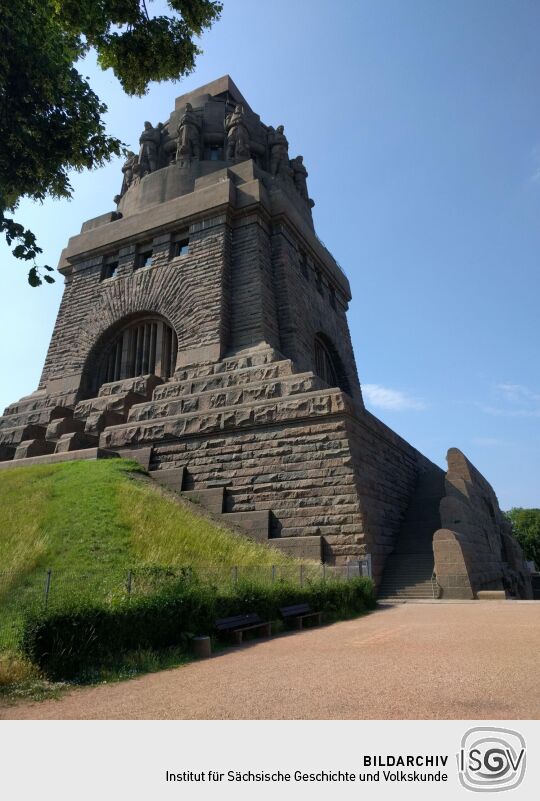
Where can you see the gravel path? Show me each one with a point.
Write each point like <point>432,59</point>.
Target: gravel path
<point>474,660</point>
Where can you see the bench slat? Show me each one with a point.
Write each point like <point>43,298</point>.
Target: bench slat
<point>294,611</point>
<point>237,621</point>
<point>238,624</point>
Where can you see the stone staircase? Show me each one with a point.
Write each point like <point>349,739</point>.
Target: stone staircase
<point>409,568</point>
<point>257,388</point>
<point>41,425</point>
<point>407,577</point>
<point>130,417</point>
<point>252,388</point>
<point>256,524</point>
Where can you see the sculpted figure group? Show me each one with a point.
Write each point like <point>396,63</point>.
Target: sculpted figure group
<point>158,148</point>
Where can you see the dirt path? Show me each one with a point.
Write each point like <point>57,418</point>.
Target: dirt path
<point>475,660</point>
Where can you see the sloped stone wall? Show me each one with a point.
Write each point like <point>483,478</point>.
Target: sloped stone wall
<point>475,550</point>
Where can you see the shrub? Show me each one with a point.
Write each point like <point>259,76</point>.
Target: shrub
<point>65,644</point>
<point>14,669</point>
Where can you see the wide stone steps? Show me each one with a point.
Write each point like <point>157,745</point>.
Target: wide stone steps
<point>407,576</point>
<point>254,524</point>
<point>34,417</point>
<point>176,388</point>
<point>265,412</point>
<point>253,388</point>
<point>409,568</point>
<point>413,588</point>
<point>215,399</point>
<point>256,358</point>
<point>64,428</point>
<point>13,436</point>
<point>37,401</point>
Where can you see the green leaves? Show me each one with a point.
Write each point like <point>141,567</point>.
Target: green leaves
<point>26,249</point>
<point>137,46</point>
<point>51,121</point>
<point>526,529</point>
<point>158,49</point>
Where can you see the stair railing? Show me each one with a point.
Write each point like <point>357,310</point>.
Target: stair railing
<point>435,586</point>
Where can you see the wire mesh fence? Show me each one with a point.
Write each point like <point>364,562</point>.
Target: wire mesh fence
<point>57,589</point>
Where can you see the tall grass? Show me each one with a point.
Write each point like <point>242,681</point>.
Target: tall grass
<point>23,542</point>
<point>92,522</point>
<point>162,533</point>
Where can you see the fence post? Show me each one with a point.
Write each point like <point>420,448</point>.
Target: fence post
<point>47,587</point>
<point>324,571</point>
<point>128,584</point>
<point>235,574</point>
<point>273,573</point>
<point>301,575</point>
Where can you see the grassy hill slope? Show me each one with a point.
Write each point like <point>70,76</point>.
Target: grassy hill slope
<point>92,522</point>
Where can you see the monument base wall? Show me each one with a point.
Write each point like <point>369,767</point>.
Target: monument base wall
<point>285,449</point>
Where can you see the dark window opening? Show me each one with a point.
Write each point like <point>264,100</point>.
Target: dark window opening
<point>143,260</point>
<point>324,366</point>
<point>109,270</point>
<point>215,153</point>
<point>147,347</point>
<point>181,248</point>
<point>318,280</point>
<point>328,364</point>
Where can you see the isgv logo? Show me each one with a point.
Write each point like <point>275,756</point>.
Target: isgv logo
<point>491,759</point>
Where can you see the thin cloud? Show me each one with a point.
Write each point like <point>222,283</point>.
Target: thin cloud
<point>514,400</point>
<point>487,442</point>
<point>498,411</point>
<point>517,393</point>
<point>394,399</point>
<point>535,158</point>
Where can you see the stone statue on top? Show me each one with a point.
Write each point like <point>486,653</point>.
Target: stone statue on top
<point>300,175</point>
<point>149,140</point>
<point>237,135</point>
<point>189,135</point>
<point>279,153</point>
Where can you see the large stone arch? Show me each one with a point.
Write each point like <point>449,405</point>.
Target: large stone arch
<point>141,343</point>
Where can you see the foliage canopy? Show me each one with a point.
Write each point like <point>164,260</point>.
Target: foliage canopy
<point>526,528</point>
<point>51,121</point>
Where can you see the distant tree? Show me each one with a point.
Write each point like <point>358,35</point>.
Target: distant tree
<point>526,528</point>
<point>50,119</point>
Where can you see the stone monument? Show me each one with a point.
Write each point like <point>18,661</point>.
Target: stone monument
<point>203,331</point>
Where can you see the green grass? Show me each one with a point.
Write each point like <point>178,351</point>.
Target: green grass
<point>92,522</point>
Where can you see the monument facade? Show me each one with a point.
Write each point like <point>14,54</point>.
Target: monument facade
<point>203,330</point>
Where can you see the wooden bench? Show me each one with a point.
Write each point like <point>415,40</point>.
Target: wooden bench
<point>298,613</point>
<point>238,624</point>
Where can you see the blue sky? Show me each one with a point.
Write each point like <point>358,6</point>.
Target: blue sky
<point>419,123</point>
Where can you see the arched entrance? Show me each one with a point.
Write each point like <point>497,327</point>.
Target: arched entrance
<point>146,345</point>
